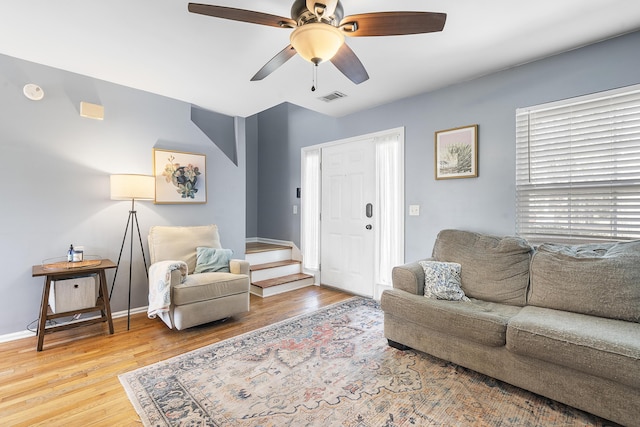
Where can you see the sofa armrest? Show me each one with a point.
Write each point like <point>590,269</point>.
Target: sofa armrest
<point>409,278</point>
<point>239,266</point>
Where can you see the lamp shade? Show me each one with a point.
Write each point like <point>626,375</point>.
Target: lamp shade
<point>317,42</point>
<point>129,187</point>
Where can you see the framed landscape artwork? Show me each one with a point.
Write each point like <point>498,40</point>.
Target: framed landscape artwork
<point>180,177</point>
<point>456,153</point>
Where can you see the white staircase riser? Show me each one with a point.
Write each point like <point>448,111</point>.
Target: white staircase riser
<point>285,287</point>
<point>269,256</point>
<point>271,273</point>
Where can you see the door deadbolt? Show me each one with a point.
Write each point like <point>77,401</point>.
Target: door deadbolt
<point>369,210</point>
<point>368,227</point>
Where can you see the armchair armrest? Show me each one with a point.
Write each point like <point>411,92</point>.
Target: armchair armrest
<point>176,275</point>
<point>175,278</point>
<point>409,277</point>
<point>239,266</point>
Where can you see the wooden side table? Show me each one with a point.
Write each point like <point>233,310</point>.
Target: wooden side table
<point>52,272</point>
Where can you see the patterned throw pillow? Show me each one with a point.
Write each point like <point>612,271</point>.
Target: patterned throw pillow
<point>442,280</point>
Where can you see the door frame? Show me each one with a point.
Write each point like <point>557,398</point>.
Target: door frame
<point>310,247</point>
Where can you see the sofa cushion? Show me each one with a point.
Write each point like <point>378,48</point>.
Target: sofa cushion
<point>442,280</point>
<point>209,260</point>
<point>479,321</point>
<point>597,279</point>
<point>604,347</point>
<point>171,243</point>
<point>207,286</point>
<point>493,268</point>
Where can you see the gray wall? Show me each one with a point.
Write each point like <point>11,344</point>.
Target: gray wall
<point>251,126</point>
<point>486,203</point>
<point>57,164</point>
<point>282,131</point>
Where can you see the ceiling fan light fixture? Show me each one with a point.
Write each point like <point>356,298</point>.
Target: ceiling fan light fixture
<point>317,42</point>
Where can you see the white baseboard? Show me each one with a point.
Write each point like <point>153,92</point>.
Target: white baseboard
<point>28,334</point>
<point>16,336</point>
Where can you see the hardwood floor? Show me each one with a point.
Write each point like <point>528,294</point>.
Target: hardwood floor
<point>74,381</point>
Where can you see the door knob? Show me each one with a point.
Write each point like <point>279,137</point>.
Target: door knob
<point>368,227</point>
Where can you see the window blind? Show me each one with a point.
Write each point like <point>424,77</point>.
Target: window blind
<point>578,168</point>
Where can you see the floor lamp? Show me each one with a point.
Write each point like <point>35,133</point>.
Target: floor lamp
<point>131,187</point>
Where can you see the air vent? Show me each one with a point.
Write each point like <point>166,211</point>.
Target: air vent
<point>332,96</point>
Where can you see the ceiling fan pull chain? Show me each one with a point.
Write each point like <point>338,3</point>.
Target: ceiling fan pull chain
<point>314,84</point>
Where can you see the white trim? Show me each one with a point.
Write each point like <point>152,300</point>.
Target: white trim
<point>16,336</point>
<point>580,99</point>
<point>28,334</point>
<point>296,255</point>
<point>400,131</point>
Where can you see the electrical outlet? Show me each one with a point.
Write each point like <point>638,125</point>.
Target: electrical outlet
<point>414,210</point>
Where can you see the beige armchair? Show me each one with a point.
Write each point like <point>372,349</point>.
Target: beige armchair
<point>202,297</point>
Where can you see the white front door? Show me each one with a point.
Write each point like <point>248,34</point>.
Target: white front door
<point>348,220</point>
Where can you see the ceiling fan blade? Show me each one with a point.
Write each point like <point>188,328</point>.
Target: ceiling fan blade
<point>348,63</point>
<point>242,15</point>
<point>283,56</point>
<point>392,23</point>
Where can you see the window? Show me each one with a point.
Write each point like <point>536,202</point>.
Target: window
<point>578,168</point>
<point>390,202</point>
<point>311,179</point>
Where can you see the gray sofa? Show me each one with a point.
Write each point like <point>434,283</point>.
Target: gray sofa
<point>560,321</point>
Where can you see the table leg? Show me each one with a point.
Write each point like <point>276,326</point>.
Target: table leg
<point>106,310</point>
<point>44,307</point>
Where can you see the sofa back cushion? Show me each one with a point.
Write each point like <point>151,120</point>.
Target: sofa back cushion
<point>598,279</point>
<point>493,268</point>
<point>169,243</point>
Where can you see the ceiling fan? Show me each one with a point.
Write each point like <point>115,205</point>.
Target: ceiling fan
<point>319,31</point>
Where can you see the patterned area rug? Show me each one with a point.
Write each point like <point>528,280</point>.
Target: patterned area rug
<point>330,368</point>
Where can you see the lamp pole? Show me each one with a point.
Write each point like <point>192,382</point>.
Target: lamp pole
<point>131,187</point>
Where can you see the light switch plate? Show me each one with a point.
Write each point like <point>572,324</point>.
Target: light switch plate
<point>414,210</point>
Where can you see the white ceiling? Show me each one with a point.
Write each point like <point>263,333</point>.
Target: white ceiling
<point>159,47</point>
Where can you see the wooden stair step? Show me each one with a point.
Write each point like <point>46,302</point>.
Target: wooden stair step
<point>259,267</point>
<point>257,247</point>
<point>280,280</point>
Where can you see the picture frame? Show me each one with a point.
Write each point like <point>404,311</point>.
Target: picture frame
<point>456,153</point>
<point>180,177</point>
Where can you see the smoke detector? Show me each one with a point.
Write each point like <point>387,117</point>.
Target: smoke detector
<point>33,92</point>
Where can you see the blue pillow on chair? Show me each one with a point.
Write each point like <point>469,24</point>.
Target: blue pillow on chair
<point>210,260</point>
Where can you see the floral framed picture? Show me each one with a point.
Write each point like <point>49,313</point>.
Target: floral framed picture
<point>180,177</point>
<point>456,153</point>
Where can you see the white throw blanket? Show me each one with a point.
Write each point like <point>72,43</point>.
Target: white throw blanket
<point>160,285</point>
